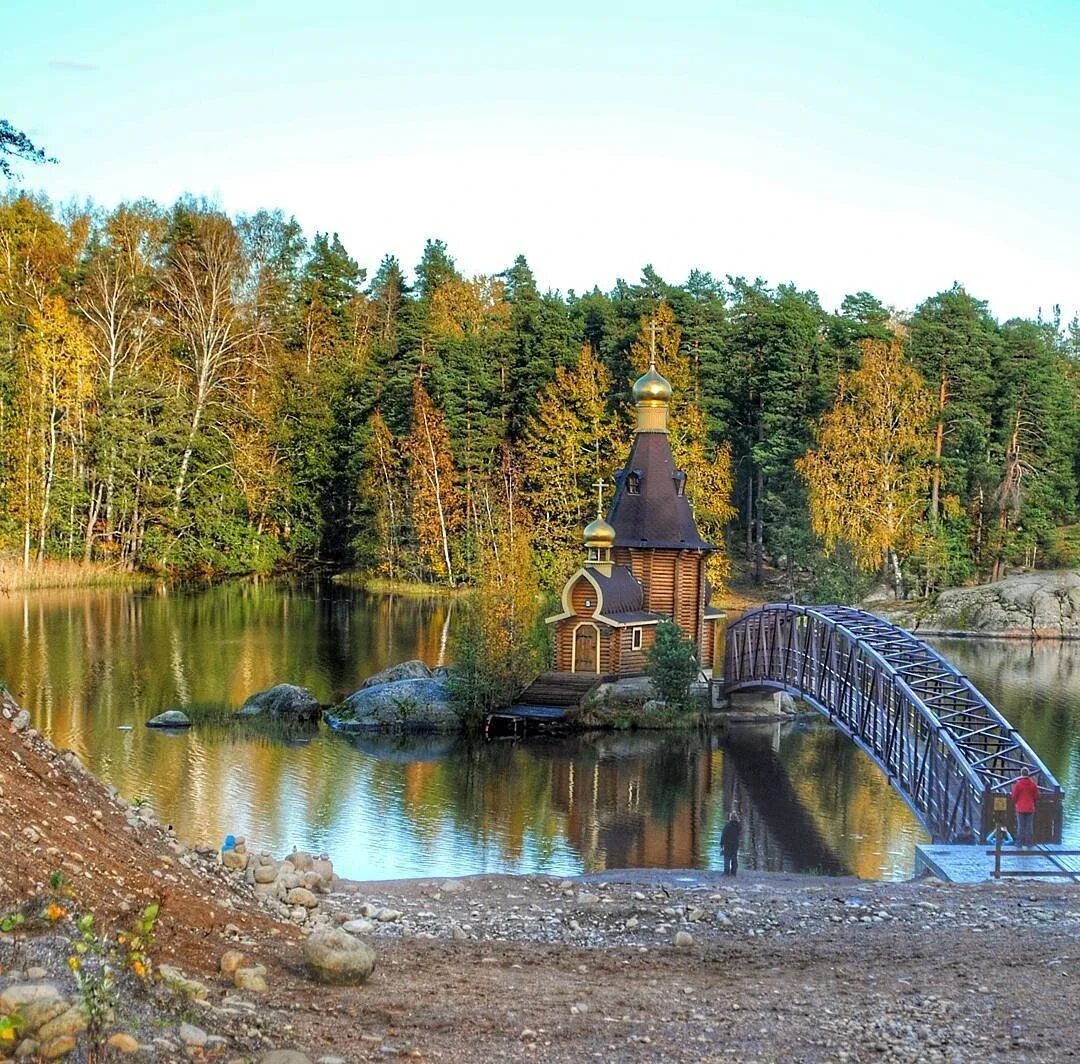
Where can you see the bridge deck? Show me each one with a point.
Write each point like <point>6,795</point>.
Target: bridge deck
<point>975,864</point>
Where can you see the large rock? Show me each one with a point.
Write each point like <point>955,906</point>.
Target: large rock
<point>406,705</point>
<point>285,700</point>
<point>336,957</point>
<point>405,670</point>
<point>1040,605</point>
<point>171,718</point>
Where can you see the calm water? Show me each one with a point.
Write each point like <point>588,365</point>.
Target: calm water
<point>90,664</point>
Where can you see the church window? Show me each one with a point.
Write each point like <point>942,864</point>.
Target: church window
<point>633,484</point>
<point>635,639</point>
<point>680,483</point>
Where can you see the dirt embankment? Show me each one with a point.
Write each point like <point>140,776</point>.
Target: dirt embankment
<point>629,966</point>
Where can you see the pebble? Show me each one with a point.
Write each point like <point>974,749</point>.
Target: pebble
<point>683,939</point>
<point>231,959</point>
<point>123,1043</point>
<point>191,1035</point>
<point>252,979</point>
<point>58,1047</point>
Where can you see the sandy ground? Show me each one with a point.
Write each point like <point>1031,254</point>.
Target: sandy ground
<point>775,968</point>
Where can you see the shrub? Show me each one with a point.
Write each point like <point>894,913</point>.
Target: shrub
<point>672,663</point>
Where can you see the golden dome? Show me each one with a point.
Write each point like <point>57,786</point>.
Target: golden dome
<point>599,533</point>
<point>652,388</point>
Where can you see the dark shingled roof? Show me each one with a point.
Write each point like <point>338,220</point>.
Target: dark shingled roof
<point>633,617</point>
<point>622,592</point>
<point>658,516</point>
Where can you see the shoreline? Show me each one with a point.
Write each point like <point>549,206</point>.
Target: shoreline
<point>637,965</point>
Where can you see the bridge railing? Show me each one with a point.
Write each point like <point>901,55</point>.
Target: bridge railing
<point>873,681</point>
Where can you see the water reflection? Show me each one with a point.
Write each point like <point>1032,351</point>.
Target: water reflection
<point>86,663</point>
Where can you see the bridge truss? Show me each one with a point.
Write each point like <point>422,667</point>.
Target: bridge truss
<point>943,746</point>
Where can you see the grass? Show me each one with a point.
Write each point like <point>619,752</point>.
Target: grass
<point>65,575</point>
<point>380,585</point>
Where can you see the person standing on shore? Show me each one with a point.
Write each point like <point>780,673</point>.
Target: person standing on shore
<point>729,843</point>
<point>1025,793</point>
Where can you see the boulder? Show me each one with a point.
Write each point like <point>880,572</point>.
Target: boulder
<point>1038,605</point>
<point>403,705</point>
<point>171,718</point>
<point>405,670</point>
<point>14,998</point>
<point>302,896</point>
<point>285,701</point>
<point>337,958</point>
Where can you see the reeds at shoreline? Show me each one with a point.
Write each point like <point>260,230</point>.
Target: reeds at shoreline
<point>64,574</point>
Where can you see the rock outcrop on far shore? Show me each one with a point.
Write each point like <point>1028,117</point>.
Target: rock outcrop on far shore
<point>1038,605</point>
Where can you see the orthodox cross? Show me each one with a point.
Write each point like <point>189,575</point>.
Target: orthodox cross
<point>652,346</point>
<point>600,498</point>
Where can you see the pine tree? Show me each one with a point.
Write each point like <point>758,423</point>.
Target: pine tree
<point>954,345</point>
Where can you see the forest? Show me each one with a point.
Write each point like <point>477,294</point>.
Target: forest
<point>197,395</point>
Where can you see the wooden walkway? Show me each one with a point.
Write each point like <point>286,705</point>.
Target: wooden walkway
<point>975,864</point>
<point>947,751</point>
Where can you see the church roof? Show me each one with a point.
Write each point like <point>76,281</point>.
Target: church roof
<point>657,514</point>
<point>621,591</point>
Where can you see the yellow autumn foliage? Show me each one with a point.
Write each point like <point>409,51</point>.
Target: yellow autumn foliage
<point>869,471</point>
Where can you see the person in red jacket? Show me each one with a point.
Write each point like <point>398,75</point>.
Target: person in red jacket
<point>1025,793</point>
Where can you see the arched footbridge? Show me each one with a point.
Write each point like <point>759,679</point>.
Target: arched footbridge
<point>943,746</point>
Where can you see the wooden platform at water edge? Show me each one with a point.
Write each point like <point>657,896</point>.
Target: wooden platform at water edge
<point>977,863</point>
<point>543,704</point>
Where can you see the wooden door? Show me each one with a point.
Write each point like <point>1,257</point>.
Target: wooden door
<point>585,649</point>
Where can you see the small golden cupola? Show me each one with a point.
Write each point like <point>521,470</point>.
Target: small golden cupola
<point>599,538</point>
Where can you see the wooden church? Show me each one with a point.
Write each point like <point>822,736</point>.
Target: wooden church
<point>645,562</point>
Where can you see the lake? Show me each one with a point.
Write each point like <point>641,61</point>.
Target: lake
<point>93,666</point>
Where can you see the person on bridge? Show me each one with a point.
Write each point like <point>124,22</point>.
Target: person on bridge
<point>729,843</point>
<point>1025,793</point>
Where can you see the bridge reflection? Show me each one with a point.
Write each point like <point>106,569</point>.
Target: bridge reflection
<point>641,800</point>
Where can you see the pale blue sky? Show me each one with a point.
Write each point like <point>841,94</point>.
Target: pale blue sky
<point>840,145</point>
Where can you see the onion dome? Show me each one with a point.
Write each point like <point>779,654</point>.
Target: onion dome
<point>652,388</point>
<point>600,534</point>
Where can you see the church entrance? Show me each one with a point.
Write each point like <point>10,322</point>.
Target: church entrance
<point>586,649</point>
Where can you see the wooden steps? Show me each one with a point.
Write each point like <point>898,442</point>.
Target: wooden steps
<point>543,705</point>
<point>562,689</point>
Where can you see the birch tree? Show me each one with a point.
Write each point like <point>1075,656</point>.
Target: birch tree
<point>203,273</point>
<point>436,501</point>
<point>868,471</point>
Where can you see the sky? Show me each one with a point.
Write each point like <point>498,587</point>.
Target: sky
<point>841,145</point>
